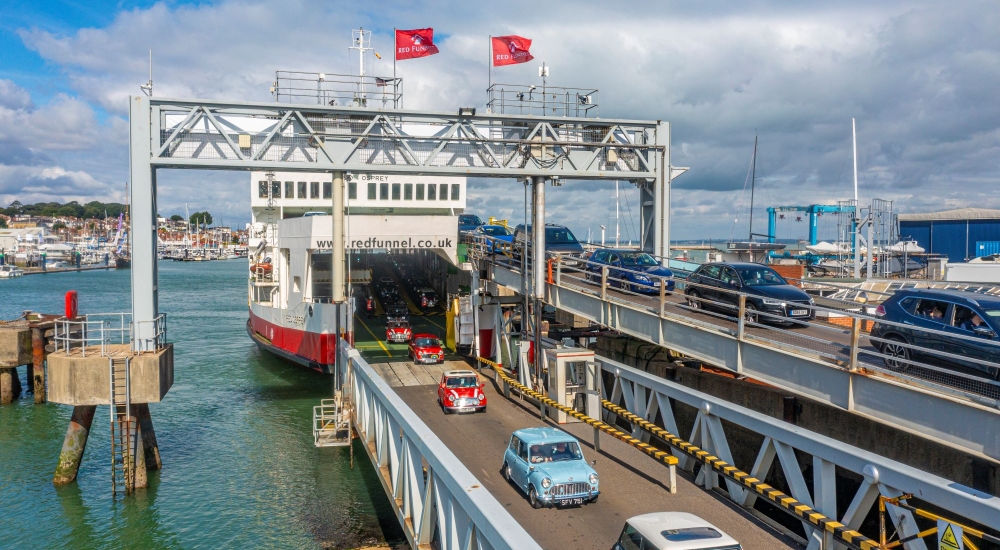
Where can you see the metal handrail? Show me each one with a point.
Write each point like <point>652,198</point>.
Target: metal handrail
<point>102,330</point>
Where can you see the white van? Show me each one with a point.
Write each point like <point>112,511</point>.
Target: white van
<point>673,531</point>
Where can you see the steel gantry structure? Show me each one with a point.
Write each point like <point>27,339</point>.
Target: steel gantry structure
<point>205,134</point>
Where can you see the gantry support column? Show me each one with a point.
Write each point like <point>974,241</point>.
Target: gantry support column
<point>37,367</point>
<point>661,240</point>
<point>338,267</point>
<point>538,265</point>
<point>74,444</point>
<point>145,303</point>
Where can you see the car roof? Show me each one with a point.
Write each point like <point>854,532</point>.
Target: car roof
<point>651,526</point>
<point>737,264</point>
<point>975,297</point>
<point>468,372</point>
<point>425,335</point>
<point>543,435</point>
<point>425,289</point>
<point>622,250</point>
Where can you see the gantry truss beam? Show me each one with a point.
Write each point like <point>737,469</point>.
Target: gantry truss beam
<point>273,136</point>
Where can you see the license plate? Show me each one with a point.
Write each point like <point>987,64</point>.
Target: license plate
<point>798,312</point>
<point>568,501</point>
<point>466,409</point>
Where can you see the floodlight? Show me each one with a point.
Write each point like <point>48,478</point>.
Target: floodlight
<point>466,111</point>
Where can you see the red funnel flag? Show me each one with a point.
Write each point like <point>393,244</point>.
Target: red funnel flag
<point>510,50</point>
<point>415,43</point>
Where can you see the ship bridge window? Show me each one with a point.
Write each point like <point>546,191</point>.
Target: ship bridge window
<point>276,189</point>
<point>262,190</point>
<point>432,191</point>
<point>395,191</point>
<point>302,190</point>
<point>383,191</point>
<point>289,190</point>
<point>443,195</point>
<point>327,190</point>
<point>420,191</point>
<point>352,190</point>
<point>321,278</point>
<point>455,191</point>
<point>371,191</point>
<point>408,191</point>
<point>314,190</point>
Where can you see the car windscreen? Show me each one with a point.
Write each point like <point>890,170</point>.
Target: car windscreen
<point>427,342</point>
<point>461,382</point>
<point>495,231</point>
<point>556,452</point>
<point>470,219</point>
<point>638,259</point>
<point>760,276</point>
<point>559,235</point>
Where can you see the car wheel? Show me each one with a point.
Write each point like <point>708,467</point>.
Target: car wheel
<point>897,355</point>
<point>533,498</point>
<point>505,471</point>
<point>750,314</point>
<point>694,300</point>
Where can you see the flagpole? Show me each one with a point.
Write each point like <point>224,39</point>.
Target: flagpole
<point>489,62</point>
<point>394,56</point>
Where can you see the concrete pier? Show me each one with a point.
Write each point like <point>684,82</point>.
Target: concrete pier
<point>149,445</point>
<point>36,369</point>
<point>74,444</point>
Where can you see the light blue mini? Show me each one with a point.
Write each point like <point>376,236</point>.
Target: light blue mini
<point>548,465</point>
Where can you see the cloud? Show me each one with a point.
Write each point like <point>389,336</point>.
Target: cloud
<point>919,77</point>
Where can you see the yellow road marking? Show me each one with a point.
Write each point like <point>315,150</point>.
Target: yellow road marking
<point>377,339</point>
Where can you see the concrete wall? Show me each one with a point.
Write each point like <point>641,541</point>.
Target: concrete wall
<point>77,380</point>
<point>15,346</point>
<point>976,472</point>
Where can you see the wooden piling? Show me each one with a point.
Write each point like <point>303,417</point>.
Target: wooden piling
<point>36,370</point>
<point>74,444</point>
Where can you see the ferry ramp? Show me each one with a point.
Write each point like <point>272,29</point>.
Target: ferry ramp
<point>631,482</point>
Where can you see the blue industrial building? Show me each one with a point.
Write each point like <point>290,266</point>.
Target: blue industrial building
<point>953,233</point>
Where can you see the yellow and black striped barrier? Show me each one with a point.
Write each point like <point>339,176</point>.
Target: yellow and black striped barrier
<point>806,513</point>
<point>661,456</point>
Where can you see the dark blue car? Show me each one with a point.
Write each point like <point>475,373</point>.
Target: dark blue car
<point>467,223</point>
<point>949,312</point>
<point>629,270</point>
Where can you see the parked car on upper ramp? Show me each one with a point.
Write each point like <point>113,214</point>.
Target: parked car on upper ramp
<point>496,235</point>
<point>558,240</point>
<point>637,271</point>
<point>467,223</point>
<point>718,285</point>
<point>966,325</point>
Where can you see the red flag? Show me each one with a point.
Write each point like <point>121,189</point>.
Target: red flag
<point>415,43</point>
<point>510,50</point>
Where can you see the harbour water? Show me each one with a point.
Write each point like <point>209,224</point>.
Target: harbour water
<point>239,467</point>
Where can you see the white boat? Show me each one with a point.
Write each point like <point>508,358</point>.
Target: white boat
<point>10,271</point>
<point>905,247</point>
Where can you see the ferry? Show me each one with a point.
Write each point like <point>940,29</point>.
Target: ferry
<point>291,309</point>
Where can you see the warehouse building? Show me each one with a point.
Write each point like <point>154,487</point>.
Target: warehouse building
<point>960,234</point>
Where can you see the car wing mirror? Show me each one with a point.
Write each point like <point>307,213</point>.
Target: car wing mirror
<point>531,468</point>
<point>593,462</point>
<point>984,331</point>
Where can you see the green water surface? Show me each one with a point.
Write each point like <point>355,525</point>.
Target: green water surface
<point>239,466</point>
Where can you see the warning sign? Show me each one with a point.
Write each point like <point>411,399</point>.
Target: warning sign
<point>949,536</point>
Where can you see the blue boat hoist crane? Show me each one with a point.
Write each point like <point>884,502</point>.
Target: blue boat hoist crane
<point>814,211</point>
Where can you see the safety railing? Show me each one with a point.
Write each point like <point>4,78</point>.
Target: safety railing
<point>650,405</point>
<point>98,331</point>
<point>838,334</point>
<point>437,500</point>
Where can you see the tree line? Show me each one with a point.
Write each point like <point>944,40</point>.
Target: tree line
<point>93,210</point>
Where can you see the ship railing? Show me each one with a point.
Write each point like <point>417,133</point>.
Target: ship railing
<point>98,332</point>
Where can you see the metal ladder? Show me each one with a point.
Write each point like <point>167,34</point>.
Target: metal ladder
<point>123,431</point>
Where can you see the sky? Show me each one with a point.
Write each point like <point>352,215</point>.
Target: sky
<point>920,78</point>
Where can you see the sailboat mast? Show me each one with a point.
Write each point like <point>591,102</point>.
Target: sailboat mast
<point>854,140</point>
<point>753,182</point>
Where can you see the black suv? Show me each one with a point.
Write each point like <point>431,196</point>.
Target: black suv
<point>558,239</point>
<point>766,291</point>
<point>948,311</point>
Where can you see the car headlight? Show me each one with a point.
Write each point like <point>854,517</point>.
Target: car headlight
<point>593,479</point>
<point>812,302</point>
<point>643,279</point>
<point>770,302</point>
<point>546,482</point>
